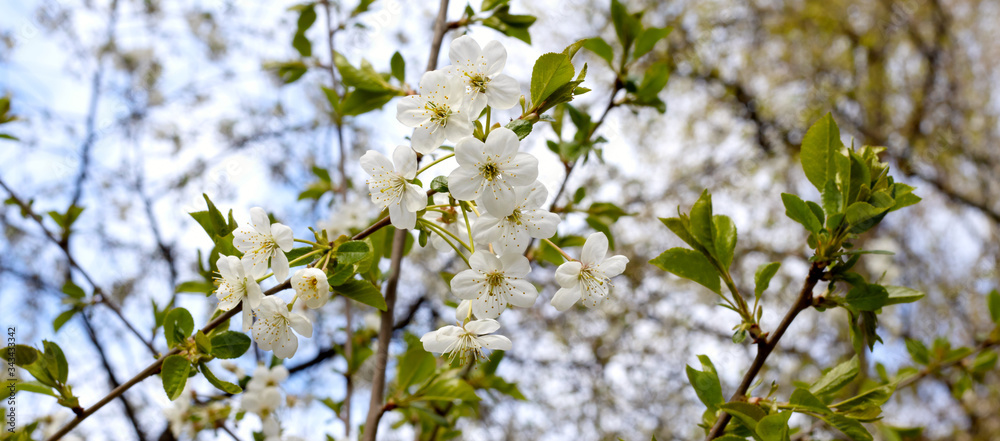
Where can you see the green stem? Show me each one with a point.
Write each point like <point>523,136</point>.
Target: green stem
<point>468,226</point>
<point>432,163</point>
<point>303,257</point>
<point>443,232</point>
<point>560,250</point>
<point>438,230</point>
<point>486,131</point>
<point>308,242</point>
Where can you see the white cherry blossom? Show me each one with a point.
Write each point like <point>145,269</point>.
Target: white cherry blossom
<point>273,329</point>
<point>588,278</point>
<point>390,185</point>
<point>470,339</point>
<point>511,233</point>
<point>480,69</point>
<point>262,241</point>
<point>494,282</point>
<point>237,285</point>
<point>489,171</point>
<point>440,111</point>
<point>311,286</point>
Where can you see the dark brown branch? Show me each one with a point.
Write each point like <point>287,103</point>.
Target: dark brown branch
<point>766,346</point>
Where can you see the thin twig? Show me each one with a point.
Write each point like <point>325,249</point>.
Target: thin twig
<point>766,345</point>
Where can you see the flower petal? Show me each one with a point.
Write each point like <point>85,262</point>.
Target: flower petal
<point>521,293</point>
<point>405,161</point>
<point>498,198</point>
<point>375,163</point>
<point>465,184</point>
<point>613,266</point>
<point>414,198</point>
<point>522,170</point>
<point>594,249</point>
<point>495,342</point>
<point>515,265</point>
<point>260,221</point>
<point>485,261</point>
<point>464,51</point>
<point>565,298</point>
<point>496,57</point>
<point>410,111</point>
<point>401,217</point>
<point>470,153</point>
<point>458,127</point>
<point>282,235</point>
<point>503,92</point>
<point>489,306</point>
<point>247,318</point>
<point>482,326</point>
<point>568,274</point>
<point>468,285</point>
<point>300,324</point>
<point>502,142</point>
<point>427,139</point>
<point>254,294</point>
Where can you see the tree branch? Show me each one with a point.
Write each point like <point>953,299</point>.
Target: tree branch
<point>766,346</point>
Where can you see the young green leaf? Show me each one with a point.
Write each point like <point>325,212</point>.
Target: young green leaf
<point>551,71</point>
<point>627,26</point>
<point>902,294</point>
<point>820,147</point>
<point>601,48</point>
<point>230,344</point>
<point>701,220</point>
<point>762,278</point>
<point>867,296</point>
<point>802,399</point>
<point>647,39</point>
<point>690,265</point>
<point>174,374</point>
<point>836,378</point>
<point>398,66</point>
<point>177,326</point>
<point>774,427</point>
<point>363,292</point>
<point>706,384</point>
<point>797,210</point>
<point>224,386</point>
<point>724,239</point>
<point>993,304</point>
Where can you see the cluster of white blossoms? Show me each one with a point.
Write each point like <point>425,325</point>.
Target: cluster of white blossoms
<point>270,319</point>
<point>495,202</point>
<point>262,397</point>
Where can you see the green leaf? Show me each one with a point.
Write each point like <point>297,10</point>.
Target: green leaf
<point>762,277</point>
<point>849,426</point>
<point>866,401</point>
<point>993,303</point>
<point>867,296</point>
<point>706,383</point>
<point>820,147</point>
<point>918,351</point>
<point>690,265</point>
<point>307,16</point>
<point>34,387</point>
<point>24,355</point>
<point>833,198</point>
<point>302,44</point>
<point>862,216</point>
<point>415,365</point>
<point>224,386</point>
<point>647,39</point>
<point>701,220</point>
<point>448,389</point>
<point>746,413</point>
<point>680,228</point>
<point>398,65</point>
<point>774,427</point>
<point>288,71</point>
<point>177,326</point>
<point>358,101</point>
<point>627,26</point>
<point>440,184</point>
<point>551,71</point>
<point>55,361</point>
<point>654,80</point>
<point>230,344</point>
<point>797,210</point>
<point>601,48</point>
<point>836,378</point>
<point>174,373</point>
<point>903,195</point>
<point>724,238</point>
<point>802,399</point>
<point>351,252</point>
<point>520,127</point>
<point>902,294</point>
<point>201,286</point>
<point>363,292</point>
<point>62,318</point>
<point>363,78</point>
<point>73,290</point>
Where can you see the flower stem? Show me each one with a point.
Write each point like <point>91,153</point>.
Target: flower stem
<point>560,250</point>
<point>439,230</point>
<point>308,242</point>
<point>468,226</point>
<point>486,130</point>
<point>303,257</point>
<point>434,162</point>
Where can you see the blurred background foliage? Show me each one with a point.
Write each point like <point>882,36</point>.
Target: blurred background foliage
<point>134,108</point>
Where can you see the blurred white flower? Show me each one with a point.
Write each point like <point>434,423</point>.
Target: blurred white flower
<point>480,69</point>
<point>262,241</point>
<point>178,415</point>
<point>390,186</point>
<point>588,278</point>
<point>440,111</point>
<point>311,286</point>
<point>489,171</point>
<point>469,339</point>
<point>271,331</point>
<point>494,282</point>
<point>346,216</point>
<point>511,233</point>
<point>236,286</point>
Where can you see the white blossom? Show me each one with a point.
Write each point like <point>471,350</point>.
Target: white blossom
<point>470,339</point>
<point>511,233</point>
<point>480,69</point>
<point>262,241</point>
<point>588,278</point>
<point>236,286</point>
<point>489,171</point>
<point>346,216</point>
<point>494,282</point>
<point>311,286</point>
<point>273,329</point>
<point>440,111</point>
<point>390,185</point>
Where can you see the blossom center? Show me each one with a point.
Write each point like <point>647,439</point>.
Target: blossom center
<point>591,278</point>
<point>515,217</point>
<point>478,82</point>
<point>494,280</point>
<point>439,113</point>
<point>490,171</point>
